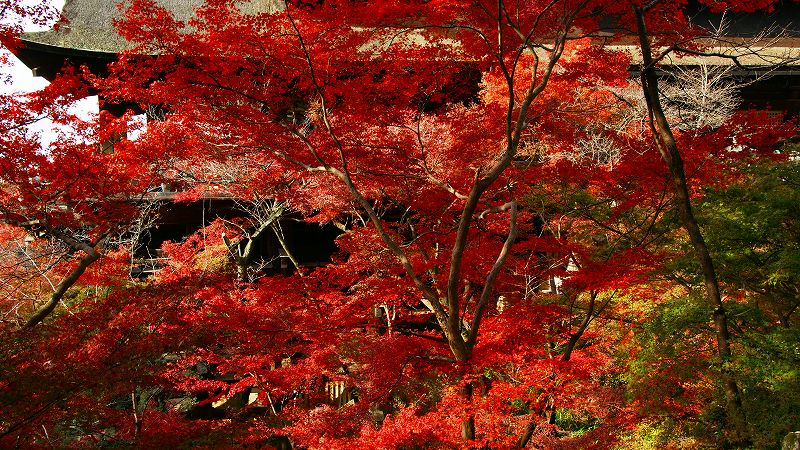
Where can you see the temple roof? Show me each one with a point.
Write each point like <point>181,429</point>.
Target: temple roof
<point>89,24</point>
<point>89,37</point>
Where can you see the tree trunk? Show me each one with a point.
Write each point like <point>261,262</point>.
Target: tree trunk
<point>527,434</point>
<point>468,425</point>
<point>667,145</point>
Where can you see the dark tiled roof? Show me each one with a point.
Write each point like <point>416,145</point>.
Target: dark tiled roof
<point>90,26</point>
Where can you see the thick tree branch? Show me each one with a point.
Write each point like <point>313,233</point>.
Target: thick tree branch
<point>489,284</point>
<point>514,133</point>
<point>90,255</point>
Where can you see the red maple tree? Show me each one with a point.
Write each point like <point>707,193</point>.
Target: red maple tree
<point>458,146</point>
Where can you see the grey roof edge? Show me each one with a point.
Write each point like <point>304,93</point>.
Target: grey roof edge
<point>74,43</point>
<point>89,24</point>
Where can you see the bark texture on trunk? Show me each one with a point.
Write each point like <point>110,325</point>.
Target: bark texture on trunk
<point>468,425</point>
<point>668,147</point>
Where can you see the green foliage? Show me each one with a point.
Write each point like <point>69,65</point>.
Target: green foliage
<point>656,435</point>
<point>753,228</point>
<point>574,423</point>
<point>767,369</point>
<point>671,349</point>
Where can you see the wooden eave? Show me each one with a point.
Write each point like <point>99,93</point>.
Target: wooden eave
<point>47,60</point>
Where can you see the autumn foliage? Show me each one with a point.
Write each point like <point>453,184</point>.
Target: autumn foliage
<point>509,269</point>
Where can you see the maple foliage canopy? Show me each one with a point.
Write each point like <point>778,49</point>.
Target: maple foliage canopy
<point>509,271</point>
